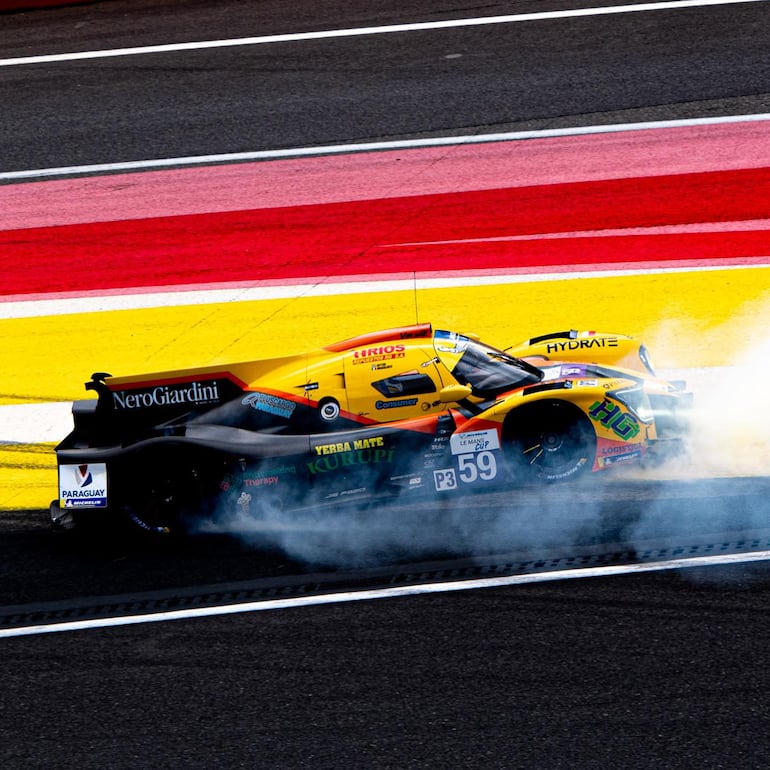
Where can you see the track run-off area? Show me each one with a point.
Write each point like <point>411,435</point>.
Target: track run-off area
<point>660,231</point>
<point>198,205</point>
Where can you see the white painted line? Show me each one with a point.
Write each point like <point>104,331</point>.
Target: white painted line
<point>36,307</point>
<point>341,149</point>
<point>381,30</point>
<point>388,593</point>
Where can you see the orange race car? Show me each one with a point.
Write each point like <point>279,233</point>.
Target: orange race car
<point>387,413</point>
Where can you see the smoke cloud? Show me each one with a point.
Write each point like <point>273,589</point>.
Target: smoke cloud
<point>702,491</point>
<point>725,466</point>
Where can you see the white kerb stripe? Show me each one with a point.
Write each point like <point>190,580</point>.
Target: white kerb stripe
<point>347,149</point>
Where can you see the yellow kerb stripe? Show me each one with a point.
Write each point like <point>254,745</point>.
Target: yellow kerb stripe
<point>688,320</point>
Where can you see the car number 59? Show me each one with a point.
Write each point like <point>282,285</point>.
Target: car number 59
<point>481,465</point>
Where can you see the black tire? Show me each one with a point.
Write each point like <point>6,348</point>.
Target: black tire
<point>550,442</point>
<point>155,507</point>
<point>162,492</point>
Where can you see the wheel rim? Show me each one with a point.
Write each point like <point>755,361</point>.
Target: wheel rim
<point>552,446</point>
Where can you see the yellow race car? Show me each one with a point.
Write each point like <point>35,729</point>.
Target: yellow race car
<point>401,411</point>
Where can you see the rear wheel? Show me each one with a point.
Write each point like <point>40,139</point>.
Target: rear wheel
<point>156,508</point>
<point>550,441</point>
<point>162,493</point>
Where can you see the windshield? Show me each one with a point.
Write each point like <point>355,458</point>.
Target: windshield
<point>489,371</point>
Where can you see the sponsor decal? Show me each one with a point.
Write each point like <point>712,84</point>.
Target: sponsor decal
<point>340,460</point>
<point>243,503</point>
<point>263,402</point>
<point>265,481</point>
<point>379,353</point>
<point>573,370</point>
<point>259,478</point>
<point>167,395</point>
<point>345,493</point>
<point>620,458</point>
<point>276,469</point>
<point>474,441</point>
<point>401,402</point>
<point>558,372</point>
<point>347,446</point>
<point>595,342</point>
<point>623,449</point>
<point>410,478</point>
<point>356,491</point>
<point>83,486</point>
<point>621,423</point>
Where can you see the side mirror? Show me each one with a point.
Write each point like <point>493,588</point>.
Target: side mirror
<point>453,393</point>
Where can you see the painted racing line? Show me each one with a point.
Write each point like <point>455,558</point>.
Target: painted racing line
<point>659,232</point>
<point>666,5</point>
<point>386,593</point>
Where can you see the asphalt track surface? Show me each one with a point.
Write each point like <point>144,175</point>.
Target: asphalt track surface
<point>643,670</point>
<point>675,63</point>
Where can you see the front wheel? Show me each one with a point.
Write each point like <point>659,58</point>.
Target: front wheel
<point>550,441</point>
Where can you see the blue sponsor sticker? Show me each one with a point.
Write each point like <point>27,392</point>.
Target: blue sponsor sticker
<point>263,402</point>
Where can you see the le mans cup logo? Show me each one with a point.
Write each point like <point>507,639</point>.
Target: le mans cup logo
<point>83,486</point>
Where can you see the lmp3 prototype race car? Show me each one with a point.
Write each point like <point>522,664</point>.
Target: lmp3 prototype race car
<point>380,415</point>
